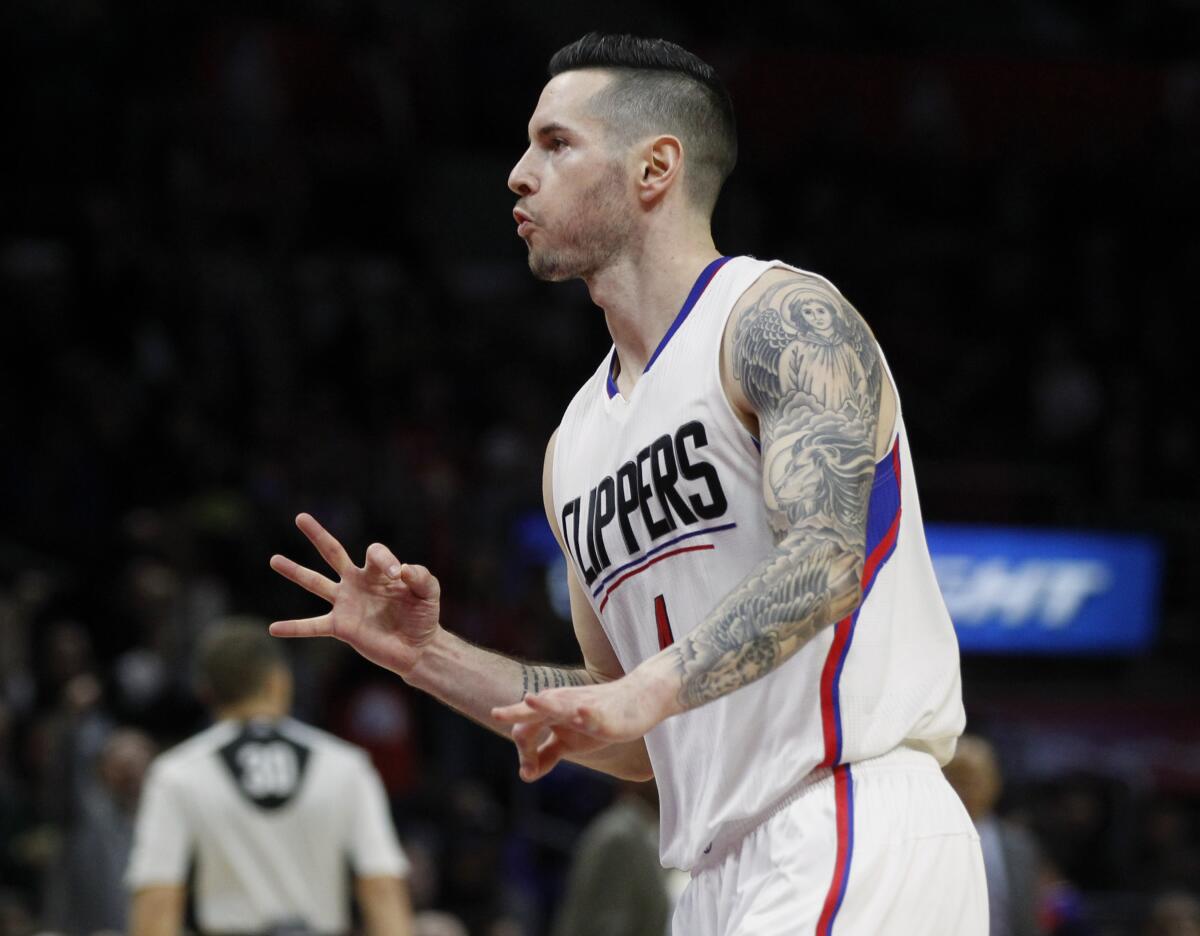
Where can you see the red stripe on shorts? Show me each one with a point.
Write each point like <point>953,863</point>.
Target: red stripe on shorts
<point>843,788</point>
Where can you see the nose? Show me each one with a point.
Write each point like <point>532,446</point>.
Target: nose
<point>521,180</point>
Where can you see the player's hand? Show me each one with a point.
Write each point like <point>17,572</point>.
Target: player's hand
<point>386,610</point>
<point>556,723</point>
<point>540,747</point>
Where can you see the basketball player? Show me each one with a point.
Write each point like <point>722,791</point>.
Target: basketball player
<point>750,585</point>
<point>272,813</point>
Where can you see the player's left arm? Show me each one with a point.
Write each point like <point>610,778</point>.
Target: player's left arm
<point>385,904</point>
<point>800,363</point>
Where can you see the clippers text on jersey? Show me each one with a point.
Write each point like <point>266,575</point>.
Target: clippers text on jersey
<point>671,471</point>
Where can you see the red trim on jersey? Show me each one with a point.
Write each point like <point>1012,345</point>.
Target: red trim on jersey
<point>830,724</point>
<point>667,555</point>
<point>665,637</point>
<point>843,792</point>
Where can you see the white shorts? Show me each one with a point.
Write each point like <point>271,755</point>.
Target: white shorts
<point>883,846</point>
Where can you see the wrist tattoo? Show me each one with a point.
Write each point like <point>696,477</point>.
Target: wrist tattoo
<point>537,678</point>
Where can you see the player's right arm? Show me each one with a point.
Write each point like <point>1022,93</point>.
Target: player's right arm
<point>158,860</point>
<point>390,613</point>
<point>541,748</point>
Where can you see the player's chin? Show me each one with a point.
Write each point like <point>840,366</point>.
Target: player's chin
<point>548,267</point>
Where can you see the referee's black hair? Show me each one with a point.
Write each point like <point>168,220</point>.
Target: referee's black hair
<point>234,659</point>
<point>662,87</point>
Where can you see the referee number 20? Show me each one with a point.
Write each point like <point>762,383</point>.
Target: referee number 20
<point>268,769</point>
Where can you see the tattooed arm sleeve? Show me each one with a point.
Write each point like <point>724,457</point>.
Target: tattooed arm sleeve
<point>808,366</point>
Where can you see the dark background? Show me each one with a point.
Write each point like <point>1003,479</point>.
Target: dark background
<point>258,258</point>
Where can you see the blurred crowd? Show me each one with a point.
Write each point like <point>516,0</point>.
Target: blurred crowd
<point>257,258</point>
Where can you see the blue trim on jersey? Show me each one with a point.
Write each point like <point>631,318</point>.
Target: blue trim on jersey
<point>657,549</point>
<point>698,288</point>
<point>693,297</point>
<point>884,503</point>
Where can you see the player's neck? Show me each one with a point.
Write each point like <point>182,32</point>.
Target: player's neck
<point>641,296</point>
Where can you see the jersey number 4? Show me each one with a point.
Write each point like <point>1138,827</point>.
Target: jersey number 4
<point>665,637</point>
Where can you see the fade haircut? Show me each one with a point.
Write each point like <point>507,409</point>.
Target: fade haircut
<point>234,661</point>
<point>659,87</point>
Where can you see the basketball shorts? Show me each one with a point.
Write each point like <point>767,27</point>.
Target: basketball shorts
<point>883,846</point>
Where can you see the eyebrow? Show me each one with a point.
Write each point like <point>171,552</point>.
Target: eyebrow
<point>551,128</point>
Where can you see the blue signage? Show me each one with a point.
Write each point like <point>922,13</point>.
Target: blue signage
<point>1012,590</point>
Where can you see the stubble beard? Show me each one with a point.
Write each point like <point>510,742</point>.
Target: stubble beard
<point>594,234</point>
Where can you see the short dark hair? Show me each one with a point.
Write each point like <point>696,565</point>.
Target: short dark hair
<point>234,661</point>
<point>660,86</point>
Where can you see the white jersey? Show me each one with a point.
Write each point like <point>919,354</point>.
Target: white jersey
<point>659,500</point>
<point>271,814</point>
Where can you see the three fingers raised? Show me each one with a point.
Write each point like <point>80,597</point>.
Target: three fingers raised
<point>418,579</point>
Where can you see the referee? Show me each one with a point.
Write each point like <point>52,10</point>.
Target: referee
<point>271,816</point>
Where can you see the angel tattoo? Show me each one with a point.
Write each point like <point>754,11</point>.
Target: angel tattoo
<point>803,340</point>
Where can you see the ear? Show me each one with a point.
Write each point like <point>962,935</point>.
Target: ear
<point>661,164</point>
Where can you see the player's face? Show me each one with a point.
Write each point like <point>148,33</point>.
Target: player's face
<point>575,203</point>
